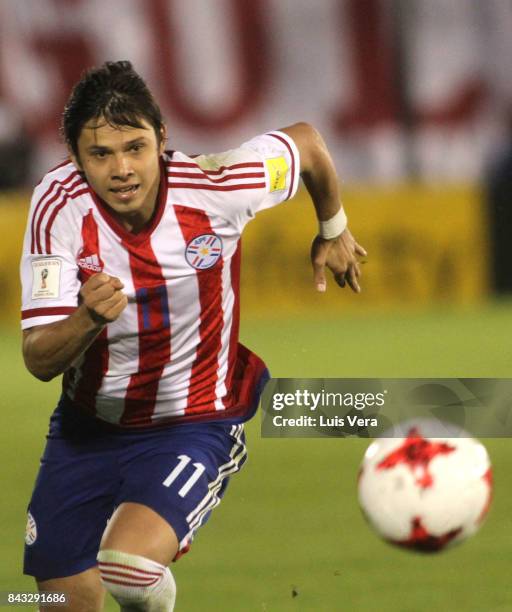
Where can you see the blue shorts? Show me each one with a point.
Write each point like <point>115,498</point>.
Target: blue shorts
<point>87,470</point>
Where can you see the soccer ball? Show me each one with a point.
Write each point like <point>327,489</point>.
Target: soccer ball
<point>424,491</point>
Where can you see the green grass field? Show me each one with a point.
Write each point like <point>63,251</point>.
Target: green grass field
<point>290,523</point>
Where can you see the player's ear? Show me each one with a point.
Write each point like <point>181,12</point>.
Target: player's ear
<point>163,139</point>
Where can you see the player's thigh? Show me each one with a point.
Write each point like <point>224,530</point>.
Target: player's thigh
<point>84,592</point>
<point>139,530</point>
<point>182,475</point>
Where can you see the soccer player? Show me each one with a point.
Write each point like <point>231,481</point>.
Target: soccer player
<point>130,278</point>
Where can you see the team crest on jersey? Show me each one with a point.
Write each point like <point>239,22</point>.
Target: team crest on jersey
<point>203,251</point>
<point>30,530</point>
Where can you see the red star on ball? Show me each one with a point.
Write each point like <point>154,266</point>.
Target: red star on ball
<point>416,453</point>
<point>423,541</point>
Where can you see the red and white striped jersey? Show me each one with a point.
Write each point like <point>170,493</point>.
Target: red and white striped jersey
<point>173,354</point>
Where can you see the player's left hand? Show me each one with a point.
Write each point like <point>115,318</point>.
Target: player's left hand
<point>340,256</point>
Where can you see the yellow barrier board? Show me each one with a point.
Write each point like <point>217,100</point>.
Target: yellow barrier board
<point>13,217</point>
<point>425,245</point>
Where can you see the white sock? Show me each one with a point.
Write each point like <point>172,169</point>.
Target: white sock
<point>137,583</point>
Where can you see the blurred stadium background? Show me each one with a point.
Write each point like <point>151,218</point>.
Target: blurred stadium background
<point>414,99</point>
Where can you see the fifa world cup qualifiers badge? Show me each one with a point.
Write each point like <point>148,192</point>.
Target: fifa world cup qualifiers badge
<point>46,278</point>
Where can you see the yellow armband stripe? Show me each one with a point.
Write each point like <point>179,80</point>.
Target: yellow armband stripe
<point>277,169</point>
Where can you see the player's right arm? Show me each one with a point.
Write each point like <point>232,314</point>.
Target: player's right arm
<point>49,350</point>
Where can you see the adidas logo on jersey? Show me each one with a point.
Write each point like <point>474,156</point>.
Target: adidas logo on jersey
<point>91,262</point>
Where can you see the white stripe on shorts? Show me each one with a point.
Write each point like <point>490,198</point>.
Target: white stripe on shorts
<point>211,500</point>
<point>238,451</point>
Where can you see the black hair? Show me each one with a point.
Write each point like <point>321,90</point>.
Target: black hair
<point>115,92</point>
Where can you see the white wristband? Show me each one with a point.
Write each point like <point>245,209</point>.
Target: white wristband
<point>334,226</point>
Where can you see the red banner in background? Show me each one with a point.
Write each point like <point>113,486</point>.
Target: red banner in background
<point>395,87</point>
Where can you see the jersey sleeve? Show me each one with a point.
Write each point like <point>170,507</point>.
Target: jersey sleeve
<point>49,272</point>
<point>238,183</point>
<point>281,165</point>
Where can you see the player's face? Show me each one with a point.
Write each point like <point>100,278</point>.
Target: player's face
<point>121,164</point>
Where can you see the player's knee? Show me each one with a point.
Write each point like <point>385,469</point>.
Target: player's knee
<point>137,583</point>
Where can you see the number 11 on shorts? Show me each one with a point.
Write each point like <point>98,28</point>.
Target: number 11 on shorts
<point>184,460</point>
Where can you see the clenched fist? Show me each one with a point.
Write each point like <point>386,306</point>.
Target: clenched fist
<point>103,297</point>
